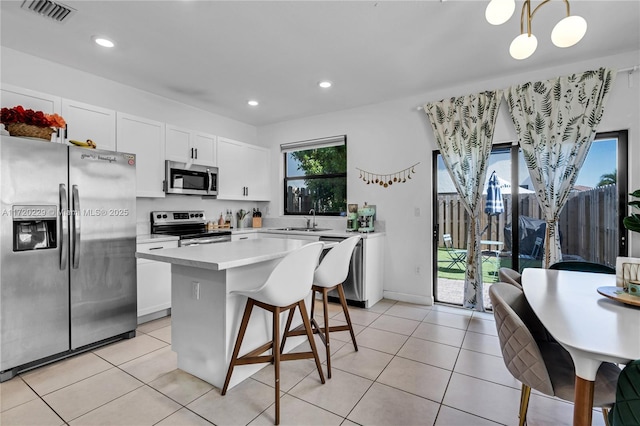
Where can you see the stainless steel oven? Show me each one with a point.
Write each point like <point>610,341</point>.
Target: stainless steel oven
<point>190,179</point>
<point>189,225</point>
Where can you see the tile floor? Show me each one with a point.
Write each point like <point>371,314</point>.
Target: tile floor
<point>417,365</point>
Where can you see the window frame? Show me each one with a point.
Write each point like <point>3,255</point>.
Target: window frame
<point>304,146</point>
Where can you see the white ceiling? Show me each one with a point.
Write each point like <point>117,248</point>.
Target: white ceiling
<point>216,55</point>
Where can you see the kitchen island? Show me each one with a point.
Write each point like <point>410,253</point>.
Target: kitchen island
<point>205,317</point>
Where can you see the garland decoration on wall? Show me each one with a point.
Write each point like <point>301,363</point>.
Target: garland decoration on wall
<point>386,180</point>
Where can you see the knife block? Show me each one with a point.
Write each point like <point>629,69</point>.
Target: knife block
<point>257,222</point>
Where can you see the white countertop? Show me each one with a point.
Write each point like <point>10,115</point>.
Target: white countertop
<point>155,238</point>
<point>327,233</point>
<point>226,255</point>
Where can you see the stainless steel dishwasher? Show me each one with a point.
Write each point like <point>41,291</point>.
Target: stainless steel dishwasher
<point>354,284</point>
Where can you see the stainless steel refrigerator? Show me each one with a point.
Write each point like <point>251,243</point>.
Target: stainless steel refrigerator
<point>67,255</point>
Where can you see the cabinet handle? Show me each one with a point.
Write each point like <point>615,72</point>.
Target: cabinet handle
<point>247,191</point>
<point>191,153</point>
<point>243,238</point>
<point>156,248</point>
<point>66,131</point>
<point>196,153</point>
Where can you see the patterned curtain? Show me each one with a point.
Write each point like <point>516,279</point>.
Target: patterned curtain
<point>556,122</point>
<point>464,128</point>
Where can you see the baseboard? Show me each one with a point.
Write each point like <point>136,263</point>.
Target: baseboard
<point>154,316</point>
<point>408,298</point>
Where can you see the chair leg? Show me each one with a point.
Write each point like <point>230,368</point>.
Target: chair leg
<point>312,343</point>
<point>243,328</point>
<point>327,347</point>
<point>287,328</point>
<point>345,308</point>
<point>605,414</point>
<point>524,403</point>
<point>276,359</point>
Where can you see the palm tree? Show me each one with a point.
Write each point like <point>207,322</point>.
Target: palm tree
<point>608,178</point>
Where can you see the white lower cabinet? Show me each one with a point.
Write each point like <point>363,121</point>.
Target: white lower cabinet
<point>154,281</point>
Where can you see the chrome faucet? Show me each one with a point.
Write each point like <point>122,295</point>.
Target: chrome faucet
<point>312,211</point>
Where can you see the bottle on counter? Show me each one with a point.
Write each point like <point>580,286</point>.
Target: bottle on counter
<point>227,220</point>
<point>221,220</point>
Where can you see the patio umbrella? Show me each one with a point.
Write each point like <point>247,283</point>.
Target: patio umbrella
<point>494,205</point>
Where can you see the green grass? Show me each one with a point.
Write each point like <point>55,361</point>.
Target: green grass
<point>489,267</point>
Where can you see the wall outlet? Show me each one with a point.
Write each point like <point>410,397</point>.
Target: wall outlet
<point>417,270</point>
<point>195,290</point>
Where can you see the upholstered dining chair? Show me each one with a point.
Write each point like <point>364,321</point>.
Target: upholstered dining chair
<point>582,266</point>
<point>285,290</point>
<point>541,364</point>
<point>330,275</point>
<point>510,276</point>
<point>626,411</point>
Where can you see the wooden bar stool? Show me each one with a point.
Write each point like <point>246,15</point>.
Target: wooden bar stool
<point>330,275</point>
<point>285,289</point>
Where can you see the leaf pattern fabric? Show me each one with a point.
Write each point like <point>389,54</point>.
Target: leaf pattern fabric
<point>556,123</point>
<point>463,128</point>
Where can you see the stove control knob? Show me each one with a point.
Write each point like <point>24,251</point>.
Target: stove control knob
<point>158,216</point>
<point>164,216</point>
<point>200,215</point>
<point>191,215</point>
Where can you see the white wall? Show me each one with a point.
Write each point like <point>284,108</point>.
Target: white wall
<point>23,70</point>
<point>390,136</point>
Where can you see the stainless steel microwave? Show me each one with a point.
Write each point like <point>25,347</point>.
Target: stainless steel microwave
<point>190,179</point>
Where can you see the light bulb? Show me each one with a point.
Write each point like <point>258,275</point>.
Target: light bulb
<point>499,11</point>
<point>523,46</point>
<point>569,31</point>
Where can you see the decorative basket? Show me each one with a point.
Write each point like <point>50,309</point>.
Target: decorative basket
<point>29,130</point>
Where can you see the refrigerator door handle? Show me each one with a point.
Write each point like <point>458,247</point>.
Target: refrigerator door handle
<point>64,226</point>
<point>75,240</point>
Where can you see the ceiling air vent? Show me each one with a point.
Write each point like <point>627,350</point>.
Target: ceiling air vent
<point>49,9</point>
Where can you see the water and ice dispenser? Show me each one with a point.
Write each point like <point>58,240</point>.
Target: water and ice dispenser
<point>34,227</point>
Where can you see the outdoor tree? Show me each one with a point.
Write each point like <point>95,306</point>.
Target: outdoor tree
<point>324,170</point>
<point>608,178</point>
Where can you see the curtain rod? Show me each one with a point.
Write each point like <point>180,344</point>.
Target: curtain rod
<point>630,70</point>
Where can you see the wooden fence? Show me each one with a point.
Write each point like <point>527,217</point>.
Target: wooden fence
<point>588,223</point>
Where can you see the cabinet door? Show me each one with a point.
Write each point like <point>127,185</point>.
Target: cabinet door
<point>204,146</point>
<point>154,280</point>
<point>89,122</point>
<point>178,144</point>
<point>12,96</point>
<point>145,138</point>
<point>232,170</point>
<point>257,177</point>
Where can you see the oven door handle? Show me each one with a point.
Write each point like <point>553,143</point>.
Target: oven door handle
<point>212,185</point>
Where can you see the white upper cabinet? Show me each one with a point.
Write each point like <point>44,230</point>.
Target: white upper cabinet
<point>146,139</point>
<point>205,149</point>
<point>243,171</point>
<point>12,96</point>
<point>189,146</point>
<point>89,122</point>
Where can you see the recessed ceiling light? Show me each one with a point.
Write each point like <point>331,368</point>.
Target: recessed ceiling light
<point>104,42</point>
<point>325,84</point>
<point>253,103</point>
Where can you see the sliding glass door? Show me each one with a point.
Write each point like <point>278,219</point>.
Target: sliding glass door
<point>513,237</point>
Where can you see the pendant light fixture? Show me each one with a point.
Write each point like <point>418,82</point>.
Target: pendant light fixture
<point>566,33</point>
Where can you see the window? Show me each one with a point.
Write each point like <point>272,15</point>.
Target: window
<point>315,176</point>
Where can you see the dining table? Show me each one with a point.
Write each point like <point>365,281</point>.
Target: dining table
<point>593,328</point>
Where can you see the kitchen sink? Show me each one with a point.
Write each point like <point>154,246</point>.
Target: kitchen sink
<point>303,229</point>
